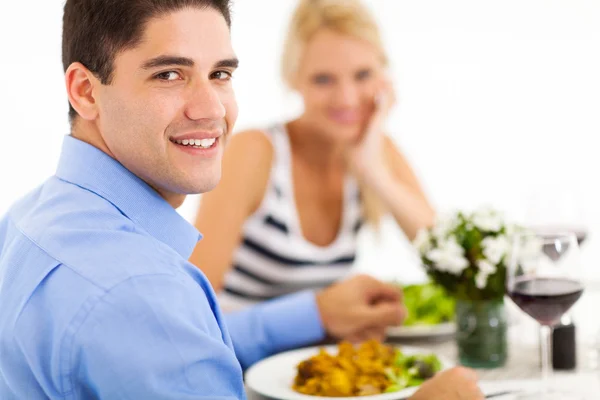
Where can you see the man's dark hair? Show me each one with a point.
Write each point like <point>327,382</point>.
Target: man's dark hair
<point>94,31</point>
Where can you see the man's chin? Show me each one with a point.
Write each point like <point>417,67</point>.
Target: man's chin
<point>203,184</point>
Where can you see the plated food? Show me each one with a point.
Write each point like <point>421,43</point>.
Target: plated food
<point>368,369</point>
<point>275,376</point>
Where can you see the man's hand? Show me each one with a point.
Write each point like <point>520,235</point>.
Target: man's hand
<point>458,383</point>
<point>360,308</point>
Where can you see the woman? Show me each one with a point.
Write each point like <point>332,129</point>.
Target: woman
<point>292,198</point>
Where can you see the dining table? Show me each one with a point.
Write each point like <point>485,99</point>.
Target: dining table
<point>522,370</point>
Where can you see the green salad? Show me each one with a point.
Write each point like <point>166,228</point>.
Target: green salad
<point>427,304</point>
<point>409,371</point>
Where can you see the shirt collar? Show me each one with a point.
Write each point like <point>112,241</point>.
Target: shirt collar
<point>90,168</point>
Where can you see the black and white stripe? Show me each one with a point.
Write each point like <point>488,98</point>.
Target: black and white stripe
<point>274,258</point>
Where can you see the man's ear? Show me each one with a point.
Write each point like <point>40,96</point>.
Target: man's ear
<point>80,83</point>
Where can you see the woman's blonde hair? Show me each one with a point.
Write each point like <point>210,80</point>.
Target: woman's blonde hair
<point>347,17</point>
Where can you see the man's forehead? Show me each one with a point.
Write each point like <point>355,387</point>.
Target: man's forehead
<point>199,34</point>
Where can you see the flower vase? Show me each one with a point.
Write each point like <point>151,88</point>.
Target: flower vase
<point>481,333</point>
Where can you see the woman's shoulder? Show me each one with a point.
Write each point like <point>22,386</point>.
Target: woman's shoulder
<point>259,139</point>
<point>248,160</point>
<point>246,170</point>
<point>252,145</point>
<point>268,143</point>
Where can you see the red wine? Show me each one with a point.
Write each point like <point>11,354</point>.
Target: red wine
<point>546,299</point>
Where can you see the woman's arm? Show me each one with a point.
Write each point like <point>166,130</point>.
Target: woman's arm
<point>223,211</point>
<point>382,169</point>
<point>399,190</point>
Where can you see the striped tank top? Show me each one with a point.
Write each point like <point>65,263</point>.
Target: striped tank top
<point>274,258</point>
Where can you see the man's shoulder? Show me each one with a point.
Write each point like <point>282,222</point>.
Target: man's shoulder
<point>86,233</point>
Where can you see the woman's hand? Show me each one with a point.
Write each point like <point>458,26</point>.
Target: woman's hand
<point>366,156</point>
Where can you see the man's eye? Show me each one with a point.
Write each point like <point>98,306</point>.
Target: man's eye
<point>168,76</point>
<point>221,75</point>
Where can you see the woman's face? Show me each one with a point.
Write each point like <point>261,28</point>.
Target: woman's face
<point>338,78</point>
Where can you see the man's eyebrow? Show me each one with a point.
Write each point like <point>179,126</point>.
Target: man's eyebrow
<point>228,63</point>
<point>164,61</point>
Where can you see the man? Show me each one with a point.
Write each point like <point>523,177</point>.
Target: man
<point>98,299</point>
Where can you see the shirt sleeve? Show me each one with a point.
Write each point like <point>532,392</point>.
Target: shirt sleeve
<point>153,338</point>
<point>277,325</point>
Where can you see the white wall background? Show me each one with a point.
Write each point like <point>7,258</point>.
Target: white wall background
<point>495,98</point>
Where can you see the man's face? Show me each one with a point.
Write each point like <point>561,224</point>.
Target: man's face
<point>170,106</point>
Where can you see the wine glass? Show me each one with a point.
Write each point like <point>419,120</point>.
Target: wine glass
<point>544,279</point>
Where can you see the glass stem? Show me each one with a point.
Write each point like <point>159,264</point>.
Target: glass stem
<point>546,344</point>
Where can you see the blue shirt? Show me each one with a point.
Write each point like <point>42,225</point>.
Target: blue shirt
<point>98,300</point>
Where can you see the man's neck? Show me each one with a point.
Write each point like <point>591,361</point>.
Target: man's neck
<point>89,134</point>
<point>174,199</point>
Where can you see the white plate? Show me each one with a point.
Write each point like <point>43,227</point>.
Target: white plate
<point>273,377</point>
<point>420,331</point>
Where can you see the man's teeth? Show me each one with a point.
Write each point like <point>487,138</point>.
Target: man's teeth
<point>202,143</point>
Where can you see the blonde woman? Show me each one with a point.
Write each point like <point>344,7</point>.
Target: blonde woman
<point>293,196</point>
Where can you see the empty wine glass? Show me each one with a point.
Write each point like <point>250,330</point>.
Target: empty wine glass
<point>556,207</point>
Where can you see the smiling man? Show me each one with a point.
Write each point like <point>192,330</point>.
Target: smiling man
<point>166,108</point>
<point>98,298</point>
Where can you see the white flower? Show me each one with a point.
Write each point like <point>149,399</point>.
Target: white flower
<point>511,230</point>
<point>487,220</point>
<point>485,270</point>
<point>481,279</point>
<point>444,224</point>
<point>422,241</point>
<point>486,267</point>
<point>448,257</point>
<point>494,248</point>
